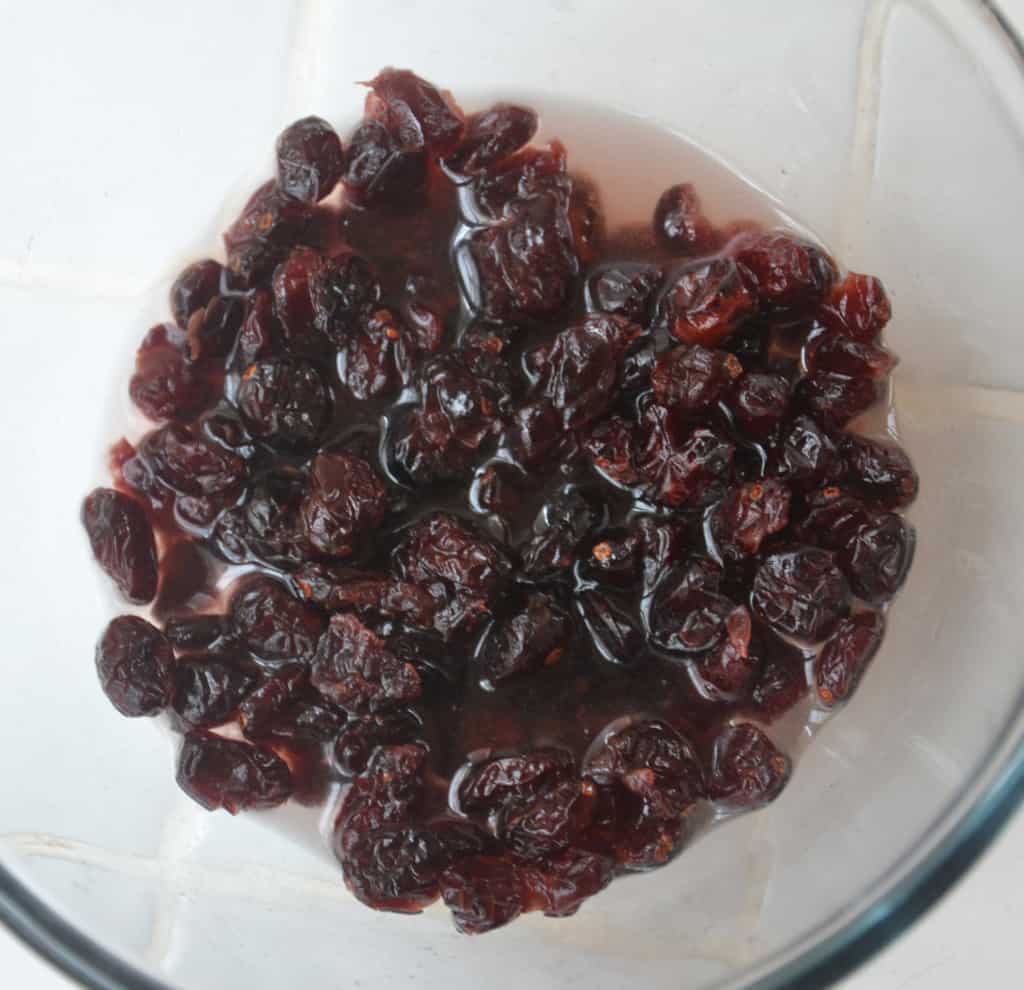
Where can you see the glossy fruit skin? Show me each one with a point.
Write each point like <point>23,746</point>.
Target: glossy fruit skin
<point>785,272</point>
<point>491,137</point>
<point>692,378</point>
<point>626,290</point>
<point>309,159</point>
<point>222,773</point>
<point>284,402</point>
<point>209,689</point>
<point>857,307</point>
<point>708,302</point>
<point>272,624</point>
<point>746,768</point>
<point>122,542</point>
<point>194,287</point>
<point>135,665</point>
<point>679,222</point>
<point>346,497</point>
<point>167,383</point>
<point>800,593</point>
<point>844,657</point>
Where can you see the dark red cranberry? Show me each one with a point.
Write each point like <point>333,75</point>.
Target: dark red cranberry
<point>417,111</point>
<point>166,383</point>
<point>833,353</point>
<point>366,361</point>
<point>491,137</point>
<point>833,518</point>
<point>562,523</point>
<point>197,284</point>
<point>801,593</point>
<point>483,893</point>
<point>834,400</point>
<point>309,159</point>
<point>625,290</point>
<point>293,300</point>
<point>269,226</point>
<point>679,223</point>
<point>122,542</point>
<point>805,455</point>
<point>857,307</point>
<point>612,448</point>
<point>691,378</point>
<point>746,769</point>
<point>560,884</point>
<point>876,560</point>
<point>729,667</point>
<point>529,640</point>
<point>748,515</point>
<point>882,472</point>
<point>758,402</point>
<point>845,655</point>
<point>379,170</point>
<point>304,723</point>
<point>375,595</point>
<point>135,665</point>
<point>786,273</point>
<point>235,776</point>
<point>360,737</point>
<point>261,335</point>
<point>272,624</point>
<point>284,402</point>
<point>354,668</point>
<point>346,499</point>
<point>781,681</point>
<point>536,428</point>
<point>340,289</point>
<point>258,712</point>
<point>614,630</point>
<point>208,689</point>
<point>212,330</point>
<point>531,171</point>
<point>190,633</point>
<point>267,528</point>
<point>188,463</point>
<point>707,303</point>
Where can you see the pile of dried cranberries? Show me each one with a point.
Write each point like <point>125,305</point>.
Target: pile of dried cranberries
<point>502,531</point>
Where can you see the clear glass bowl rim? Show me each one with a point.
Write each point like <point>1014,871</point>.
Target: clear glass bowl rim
<point>883,913</point>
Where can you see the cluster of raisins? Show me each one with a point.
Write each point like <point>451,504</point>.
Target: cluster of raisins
<point>457,442</point>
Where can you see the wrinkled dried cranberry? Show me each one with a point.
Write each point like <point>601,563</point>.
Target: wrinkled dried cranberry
<point>346,499</point>
<point>836,354</point>
<point>729,667</point>
<point>235,776</point>
<point>746,768</point>
<point>525,174</point>
<point>707,303</point>
<point>781,681</point>
<point>535,431</point>
<point>213,329</point>
<point>194,287</point>
<point>379,169</point>
<point>882,472</point>
<point>269,226</point>
<point>340,288</point>
<point>834,400</point>
<point>386,793</point>
<point>266,528</point>
<point>166,383</point>
<point>692,378</point>
<point>560,884</point>
<point>188,633</point>
<point>189,463</point>
<point>367,359</point>
<point>611,446</point>
<point>135,665</point>
<point>526,641</point>
<point>845,655</point>
<point>366,593</point>
<point>356,742</point>
<point>491,137</point>
<point>832,518</point>
<point>415,110</point>
<point>562,523</point>
<point>805,455</point>
<point>208,689</point>
<point>857,307</point>
<point>786,273</point>
<point>354,668</point>
<point>747,515</point>
<point>293,300</point>
<point>309,159</point>
<point>625,290</point>
<point>759,401</point>
<point>683,466</point>
<point>876,560</point>
<point>122,542</point>
<point>272,624</point>
<point>679,222</point>
<point>260,336</point>
<point>305,723</point>
<point>284,402</point>
<point>483,893</point>
<point>801,593</point>
<point>259,710</point>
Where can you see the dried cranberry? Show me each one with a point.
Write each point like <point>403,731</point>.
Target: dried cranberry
<point>786,273</point>
<point>354,668</point>
<point>340,288</point>
<point>532,171</point>
<point>707,303</point>
<point>360,737</point>
<point>415,110</point>
<point>781,681</point>
<point>613,629</point>
<point>379,169</point>
<point>346,499</point>
<point>386,793</point>
<point>881,471</point>
<point>284,402</point>
<point>235,776</point>
<point>857,307</point>
<point>845,656</point>
<point>266,529</point>
<point>562,523</point>
<point>729,667</point>
<point>258,712</point>
<point>122,542</point>
<point>269,226</point>
<point>260,336</point>
<point>213,329</point>
<point>876,560</point>
<point>535,431</point>
<point>835,354</point>
<point>491,137</point>
<point>208,689</point>
<point>805,455</point>
<point>529,640</point>
<point>759,401</point>
<point>683,466</point>
<point>679,222</point>
<point>188,463</point>
<point>747,515</point>
<point>560,884</point>
<point>305,723</point>
<point>692,378</point>
<point>366,361</point>
<point>834,400</point>
<point>293,300</point>
<point>135,665</point>
<point>801,593</point>
<point>194,287</point>
<point>188,633</point>
<point>483,893</point>
<point>611,446</point>
<point>309,159</point>
<point>746,768</point>
<point>166,383</point>
<point>375,595</point>
<point>272,624</point>
<point>625,290</point>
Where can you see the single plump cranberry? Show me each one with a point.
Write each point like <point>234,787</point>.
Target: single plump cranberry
<point>208,689</point>
<point>191,633</point>
<point>309,159</point>
<point>235,776</point>
<point>167,383</point>
<point>560,884</point>
<point>877,558</point>
<point>346,499</point>
<point>354,668</point>
<point>805,455</point>
<point>624,289</point>
<point>845,655</point>
<point>491,137</point>
<point>692,378</point>
<point>781,681</point>
<point>531,171</point>
<point>746,768</point>
<point>267,528</point>
<point>612,447</point>
<point>378,596</point>
<point>188,463</point>
<point>258,711</point>
<point>483,893</point>
<point>122,542</point>
<point>357,741</point>
<point>835,354</point>
<point>340,289</point>
<point>379,169</point>
<point>857,307</point>
<point>759,401</point>
<point>272,624</point>
<point>135,664</point>
<point>197,284</point>
<point>834,400</point>
<point>261,335</point>
<point>213,329</point>
<point>882,472</point>
<point>284,402</point>
<point>416,110</point>
<point>529,640</point>
<point>367,360</point>
<point>293,301</point>
<point>801,593</point>
<point>786,273</point>
<point>748,515</point>
<point>679,223</point>
<point>707,303</point>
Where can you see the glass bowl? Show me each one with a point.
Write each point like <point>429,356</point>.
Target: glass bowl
<point>895,130</point>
